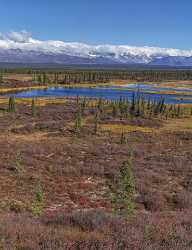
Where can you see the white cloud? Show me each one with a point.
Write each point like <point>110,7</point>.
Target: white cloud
<point>18,37</point>
<point>24,41</point>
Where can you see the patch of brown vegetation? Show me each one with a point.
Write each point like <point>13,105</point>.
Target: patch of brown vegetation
<point>75,170</point>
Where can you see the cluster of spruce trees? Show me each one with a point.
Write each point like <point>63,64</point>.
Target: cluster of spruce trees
<point>139,106</point>
<point>123,108</point>
<point>106,76</point>
<point>12,105</point>
<point>67,76</point>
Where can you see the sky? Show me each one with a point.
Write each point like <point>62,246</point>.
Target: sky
<point>159,23</point>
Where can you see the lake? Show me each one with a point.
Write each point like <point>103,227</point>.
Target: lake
<point>151,91</point>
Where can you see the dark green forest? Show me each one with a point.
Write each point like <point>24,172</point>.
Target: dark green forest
<point>71,75</point>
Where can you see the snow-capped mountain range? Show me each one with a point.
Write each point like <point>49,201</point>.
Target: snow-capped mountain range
<point>20,47</point>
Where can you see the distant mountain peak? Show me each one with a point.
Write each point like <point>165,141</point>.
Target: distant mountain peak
<point>21,47</point>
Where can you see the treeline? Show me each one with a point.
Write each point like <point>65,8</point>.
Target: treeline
<point>106,76</point>
<point>94,76</point>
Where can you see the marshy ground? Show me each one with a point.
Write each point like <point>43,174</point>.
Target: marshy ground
<point>75,171</point>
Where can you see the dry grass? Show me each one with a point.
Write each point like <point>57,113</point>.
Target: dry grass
<point>126,128</point>
<point>184,124</point>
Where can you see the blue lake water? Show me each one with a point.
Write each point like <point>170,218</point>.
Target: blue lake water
<point>106,93</point>
<point>155,87</point>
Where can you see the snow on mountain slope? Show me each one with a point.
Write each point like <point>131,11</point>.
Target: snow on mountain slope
<point>21,47</point>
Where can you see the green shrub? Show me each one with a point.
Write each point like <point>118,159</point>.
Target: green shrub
<point>37,204</point>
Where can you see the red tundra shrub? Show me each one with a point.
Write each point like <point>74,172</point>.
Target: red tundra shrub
<point>161,231</point>
<point>154,201</point>
<point>183,200</point>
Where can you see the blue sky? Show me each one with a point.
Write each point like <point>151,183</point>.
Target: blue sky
<point>163,23</point>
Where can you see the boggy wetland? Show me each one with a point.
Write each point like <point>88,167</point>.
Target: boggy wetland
<point>86,161</point>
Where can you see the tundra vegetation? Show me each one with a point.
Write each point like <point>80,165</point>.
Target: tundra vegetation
<point>93,173</point>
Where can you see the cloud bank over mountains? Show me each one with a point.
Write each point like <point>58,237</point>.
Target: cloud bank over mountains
<point>17,37</point>
<point>21,46</point>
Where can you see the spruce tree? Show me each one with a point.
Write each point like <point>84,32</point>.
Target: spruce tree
<point>33,108</point>
<point>78,121</point>
<point>123,190</point>
<point>37,204</point>
<point>11,107</point>
<point>123,139</point>
<point>96,121</point>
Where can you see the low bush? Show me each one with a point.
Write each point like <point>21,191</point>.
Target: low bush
<point>88,220</point>
<point>160,231</point>
<point>183,199</point>
<point>154,201</point>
